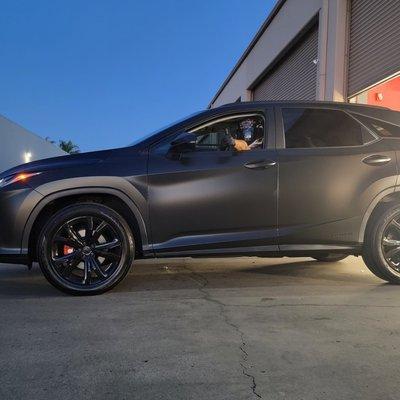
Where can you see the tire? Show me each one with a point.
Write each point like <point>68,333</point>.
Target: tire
<point>330,257</point>
<point>375,252</point>
<point>86,249</point>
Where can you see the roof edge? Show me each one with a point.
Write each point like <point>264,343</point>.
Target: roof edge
<point>339,104</point>
<point>253,42</point>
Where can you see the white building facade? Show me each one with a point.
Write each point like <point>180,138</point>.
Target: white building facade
<point>332,50</point>
<point>19,146</point>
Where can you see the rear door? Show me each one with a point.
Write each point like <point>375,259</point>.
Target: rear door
<point>330,169</point>
<point>213,200</point>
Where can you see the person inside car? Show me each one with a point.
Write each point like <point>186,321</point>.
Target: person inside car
<point>249,136</point>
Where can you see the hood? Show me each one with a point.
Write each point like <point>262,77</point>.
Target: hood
<point>59,162</point>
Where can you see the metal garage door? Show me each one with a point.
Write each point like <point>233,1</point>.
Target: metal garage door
<point>374,52</point>
<point>295,77</point>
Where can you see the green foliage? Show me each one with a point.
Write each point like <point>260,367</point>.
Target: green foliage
<point>68,146</point>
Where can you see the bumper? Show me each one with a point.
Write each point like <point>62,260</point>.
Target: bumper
<point>16,205</point>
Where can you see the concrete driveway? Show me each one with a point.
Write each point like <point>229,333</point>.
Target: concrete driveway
<point>245,328</point>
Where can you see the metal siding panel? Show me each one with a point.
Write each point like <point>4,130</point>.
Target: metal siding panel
<point>295,77</point>
<point>374,51</point>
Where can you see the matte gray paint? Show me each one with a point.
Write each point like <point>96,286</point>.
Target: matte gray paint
<point>205,204</point>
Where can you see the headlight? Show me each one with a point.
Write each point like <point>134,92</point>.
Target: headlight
<point>8,180</point>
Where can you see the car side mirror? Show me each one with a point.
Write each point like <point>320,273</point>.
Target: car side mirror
<point>183,143</point>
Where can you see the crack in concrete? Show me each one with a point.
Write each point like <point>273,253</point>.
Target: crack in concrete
<point>203,282</point>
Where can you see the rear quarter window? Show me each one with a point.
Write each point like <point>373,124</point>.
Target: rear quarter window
<point>382,129</point>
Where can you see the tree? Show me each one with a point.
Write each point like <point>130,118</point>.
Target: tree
<point>68,146</point>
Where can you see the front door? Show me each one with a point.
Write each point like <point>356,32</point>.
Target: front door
<point>220,197</point>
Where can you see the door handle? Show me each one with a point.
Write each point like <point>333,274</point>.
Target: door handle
<point>262,164</point>
<point>376,159</point>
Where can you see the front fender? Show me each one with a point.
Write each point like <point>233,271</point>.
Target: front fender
<point>126,192</point>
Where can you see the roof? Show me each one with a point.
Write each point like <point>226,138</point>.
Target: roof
<point>301,102</point>
<point>385,114</point>
<point>254,41</point>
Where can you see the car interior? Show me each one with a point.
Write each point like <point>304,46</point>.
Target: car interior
<point>240,133</point>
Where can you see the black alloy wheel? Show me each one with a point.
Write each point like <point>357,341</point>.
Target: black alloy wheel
<point>86,249</point>
<point>381,251</point>
<point>391,244</point>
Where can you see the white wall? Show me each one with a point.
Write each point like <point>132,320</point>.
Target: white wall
<point>16,142</point>
<point>286,25</point>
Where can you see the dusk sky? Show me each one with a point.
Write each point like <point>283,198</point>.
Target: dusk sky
<point>103,73</point>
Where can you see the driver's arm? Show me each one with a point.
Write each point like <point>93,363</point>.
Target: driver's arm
<point>237,144</point>
<point>240,145</point>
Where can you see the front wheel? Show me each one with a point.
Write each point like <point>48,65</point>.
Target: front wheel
<point>331,257</point>
<point>86,249</point>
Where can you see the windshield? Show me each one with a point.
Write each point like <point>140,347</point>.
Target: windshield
<point>142,138</point>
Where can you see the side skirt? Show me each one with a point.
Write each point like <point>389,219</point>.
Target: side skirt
<point>262,251</point>
<point>20,259</point>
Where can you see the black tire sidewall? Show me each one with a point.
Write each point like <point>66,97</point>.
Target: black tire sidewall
<point>373,253</point>
<point>77,210</point>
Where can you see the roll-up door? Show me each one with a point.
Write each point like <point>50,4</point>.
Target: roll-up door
<point>295,76</point>
<point>374,51</point>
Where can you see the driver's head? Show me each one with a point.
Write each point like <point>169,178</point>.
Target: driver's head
<point>246,130</point>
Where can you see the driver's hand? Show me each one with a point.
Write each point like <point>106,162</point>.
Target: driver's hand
<point>256,143</point>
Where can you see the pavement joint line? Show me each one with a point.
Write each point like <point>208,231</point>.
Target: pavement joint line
<point>312,305</point>
<point>203,282</point>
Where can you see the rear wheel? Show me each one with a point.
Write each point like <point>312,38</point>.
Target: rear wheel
<point>330,257</point>
<point>86,249</point>
<point>381,251</point>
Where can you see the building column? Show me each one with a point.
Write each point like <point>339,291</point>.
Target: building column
<point>332,50</point>
<point>247,95</point>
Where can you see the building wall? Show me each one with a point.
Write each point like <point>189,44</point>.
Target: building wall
<point>292,18</point>
<point>374,37</point>
<point>387,94</point>
<point>294,76</point>
<point>19,145</point>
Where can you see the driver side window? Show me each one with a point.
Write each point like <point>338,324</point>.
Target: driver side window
<point>241,132</point>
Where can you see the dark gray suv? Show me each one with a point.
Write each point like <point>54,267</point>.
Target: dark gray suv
<point>263,179</point>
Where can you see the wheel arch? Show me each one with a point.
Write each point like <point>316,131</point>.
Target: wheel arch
<point>113,198</point>
<point>387,196</point>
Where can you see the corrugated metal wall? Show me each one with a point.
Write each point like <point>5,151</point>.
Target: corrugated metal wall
<point>374,51</point>
<point>295,77</point>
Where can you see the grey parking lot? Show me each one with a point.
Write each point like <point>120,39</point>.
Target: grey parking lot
<point>244,328</point>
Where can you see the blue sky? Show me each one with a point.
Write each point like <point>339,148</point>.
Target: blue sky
<point>102,73</point>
